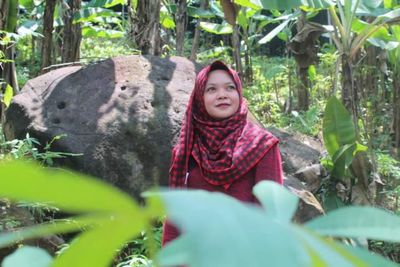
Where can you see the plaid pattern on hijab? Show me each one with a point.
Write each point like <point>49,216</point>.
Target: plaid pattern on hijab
<point>224,149</point>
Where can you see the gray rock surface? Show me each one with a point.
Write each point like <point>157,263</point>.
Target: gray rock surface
<point>121,114</point>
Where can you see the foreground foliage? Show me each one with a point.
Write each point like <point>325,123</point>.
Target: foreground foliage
<point>218,230</point>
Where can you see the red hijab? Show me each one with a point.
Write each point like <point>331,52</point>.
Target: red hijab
<point>223,149</point>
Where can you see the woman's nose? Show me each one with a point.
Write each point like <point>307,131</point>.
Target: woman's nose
<point>221,93</point>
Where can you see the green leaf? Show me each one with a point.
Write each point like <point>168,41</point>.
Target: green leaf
<point>199,13</point>
<point>107,3</point>
<point>249,3</point>
<point>54,227</point>
<point>342,160</point>
<point>29,27</point>
<point>365,222</point>
<point>289,4</point>
<point>166,19</point>
<point>331,253</point>
<point>312,72</point>
<point>225,229</point>
<point>8,95</point>
<point>276,200</point>
<point>223,28</point>
<point>338,127</point>
<point>27,256</point>
<point>274,32</point>
<point>216,9</point>
<point>93,31</point>
<point>175,253</point>
<point>23,181</point>
<point>102,250</point>
<point>91,13</point>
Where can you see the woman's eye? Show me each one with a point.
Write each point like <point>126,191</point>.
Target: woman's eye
<point>231,87</point>
<point>210,89</point>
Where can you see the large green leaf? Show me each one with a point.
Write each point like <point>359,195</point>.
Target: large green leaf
<point>215,28</point>
<point>330,253</point>
<point>224,229</point>
<point>28,257</point>
<point>342,160</point>
<point>278,202</point>
<point>355,222</point>
<point>338,127</point>
<point>102,250</point>
<point>23,181</point>
<point>109,217</point>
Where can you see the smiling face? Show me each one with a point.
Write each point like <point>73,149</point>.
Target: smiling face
<point>221,98</point>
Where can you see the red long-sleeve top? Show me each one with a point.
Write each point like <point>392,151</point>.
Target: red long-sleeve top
<point>268,168</point>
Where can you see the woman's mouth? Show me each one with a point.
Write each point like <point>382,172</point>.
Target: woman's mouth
<point>223,105</point>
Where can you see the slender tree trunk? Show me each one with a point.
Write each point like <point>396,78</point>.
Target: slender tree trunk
<point>72,33</point>
<point>396,111</point>
<point>303,94</point>
<point>145,26</point>
<point>236,49</point>
<point>8,23</point>
<point>180,21</point>
<point>48,19</point>
<point>196,38</point>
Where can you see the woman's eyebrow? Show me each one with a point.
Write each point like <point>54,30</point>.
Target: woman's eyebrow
<point>208,84</point>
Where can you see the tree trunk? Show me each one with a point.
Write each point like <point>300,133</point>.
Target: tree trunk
<point>236,50</point>
<point>303,94</point>
<point>396,112</point>
<point>145,26</point>
<point>72,33</point>
<point>8,23</point>
<point>180,21</point>
<point>48,20</point>
<point>196,38</point>
<point>349,92</point>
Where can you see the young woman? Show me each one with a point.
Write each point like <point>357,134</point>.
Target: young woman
<point>219,150</point>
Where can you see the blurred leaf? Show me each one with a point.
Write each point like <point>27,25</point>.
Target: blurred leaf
<point>338,127</point>
<point>29,27</point>
<point>27,256</point>
<point>8,95</point>
<point>279,203</point>
<point>244,229</point>
<point>312,72</point>
<point>91,13</point>
<point>199,13</point>
<point>22,181</point>
<point>166,19</point>
<point>368,222</point>
<point>223,28</point>
<point>107,3</point>
<point>274,32</point>
<point>342,160</point>
<point>93,31</point>
<point>289,4</point>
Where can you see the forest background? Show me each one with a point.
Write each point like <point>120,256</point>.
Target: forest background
<point>295,58</point>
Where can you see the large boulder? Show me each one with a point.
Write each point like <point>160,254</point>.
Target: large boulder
<point>120,114</point>
<point>123,115</point>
